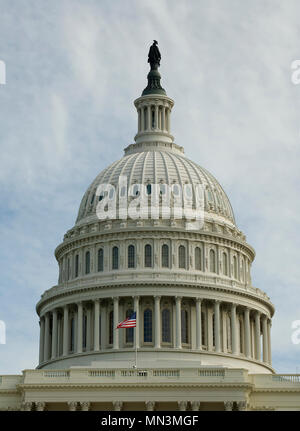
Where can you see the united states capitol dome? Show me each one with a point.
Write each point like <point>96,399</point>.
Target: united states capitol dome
<point>190,289</point>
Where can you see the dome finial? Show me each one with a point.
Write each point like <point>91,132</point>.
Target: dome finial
<point>154,77</point>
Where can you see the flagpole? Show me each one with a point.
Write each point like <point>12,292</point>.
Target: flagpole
<point>135,350</point>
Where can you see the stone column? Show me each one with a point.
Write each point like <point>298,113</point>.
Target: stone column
<point>195,406</point>
<point>257,336</point>
<point>88,328</point>
<point>265,340</point>
<point>66,331</point>
<point>142,119</point>
<point>228,405</point>
<point>269,341</point>
<point>47,337</point>
<point>54,335</point>
<point>149,119</point>
<point>42,337</point>
<point>233,330</point>
<point>198,325</point>
<point>137,329</point>
<point>182,405</point>
<point>156,117</point>
<point>217,326</point>
<point>157,321</point>
<point>247,332</point>
<point>96,324</point>
<point>150,405</point>
<point>117,405</point>
<point>85,406</point>
<point>163,122</point>
<point>79,326</point>
<point>167,119</point>
<point>116,321</point>
<point>178,322</point>
<point>40,406</point>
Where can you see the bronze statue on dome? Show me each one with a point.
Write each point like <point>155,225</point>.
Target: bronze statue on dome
<point>154,55</point>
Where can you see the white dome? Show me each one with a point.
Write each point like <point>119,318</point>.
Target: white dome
<point>155,166</point>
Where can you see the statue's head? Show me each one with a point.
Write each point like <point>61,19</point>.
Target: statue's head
<point>155,42</point>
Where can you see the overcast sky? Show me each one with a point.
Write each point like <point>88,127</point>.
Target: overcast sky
<point>73,69</point>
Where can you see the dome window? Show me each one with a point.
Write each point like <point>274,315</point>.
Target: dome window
<point>111,193</point>
<point>148,256</point>
<point>198,258</point>
<point>131,256</point>
<point>100,259</point>
<point>166,325</point>
<point>76,265</point>
<point>101,197</point>
<point>87,262</point>
<point>181,257</point>
<point>148,189</point>
<point>212,261</point>
<point>184,326</point>
<point>165,256</point>
<point>148,326</point>
<point>225,264</point>
<point>176,190</point>
<point>92,200</point>
<point>115,258</point>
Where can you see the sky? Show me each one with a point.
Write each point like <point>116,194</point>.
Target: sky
<point>73,69</point>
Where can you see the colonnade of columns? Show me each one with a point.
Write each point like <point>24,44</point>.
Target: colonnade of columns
<point>119,405</point>
<point>154,117</point>
<point>214,326</point>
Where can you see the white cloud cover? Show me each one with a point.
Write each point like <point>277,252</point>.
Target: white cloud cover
<point>73,69</point>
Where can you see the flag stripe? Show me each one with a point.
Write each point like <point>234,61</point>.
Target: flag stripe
<point>130,322</point>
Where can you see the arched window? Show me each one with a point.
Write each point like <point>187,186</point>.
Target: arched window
<point>198,259</point>
<point>166,325</point>
<point>165,256</point>
<point>148,256</point>
<point>225,264</point>
<point>148,189</point>
<point>234,266</point>
<point>87,262</point>
<point>129,331</point>
<point>115,258</point>
<point>131,256</point>
<point>111,327</point>
<point>184,327</point>
<point>181,256</point>
<point>72,334</point>
<point>100,259</point>
<point>212,261</point>
<point>148,326</point>
<point>76,265</point>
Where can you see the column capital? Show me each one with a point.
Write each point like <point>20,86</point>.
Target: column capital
<point>157,297</point>
<point>150,406</point>
<point>72,405</point>
<point>195,405</point>
<point>118,405</point>
<point>199,300</point>
<point>233,305</point>
<point>182,405</point>
<point>85,406</point>
<point>40,406</point>
<point>228,405</point>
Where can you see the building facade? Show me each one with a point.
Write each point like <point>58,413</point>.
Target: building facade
<point>202,340</point>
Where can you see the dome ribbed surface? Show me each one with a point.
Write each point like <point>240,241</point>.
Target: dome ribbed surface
<point>154,167</point>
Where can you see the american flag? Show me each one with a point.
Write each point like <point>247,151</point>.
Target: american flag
<point>130,322</point>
